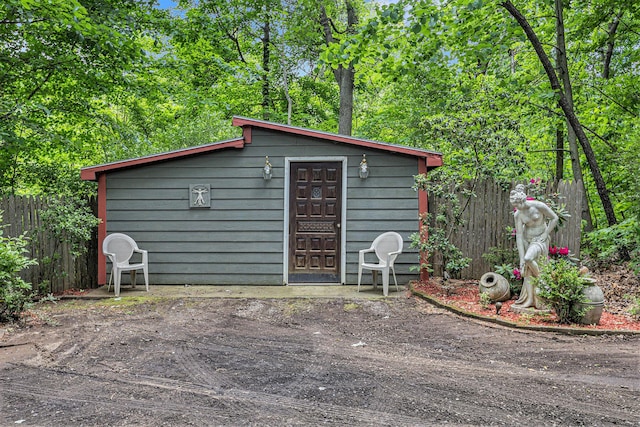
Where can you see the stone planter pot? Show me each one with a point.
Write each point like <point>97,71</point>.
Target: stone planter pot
<point>594,305</point>
<point>496,286</point>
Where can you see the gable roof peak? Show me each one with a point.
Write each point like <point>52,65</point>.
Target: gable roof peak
<point>435,158</point>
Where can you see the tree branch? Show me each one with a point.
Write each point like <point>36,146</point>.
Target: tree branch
<point>26,22</point>
<point>601,186</point>
<point>611,31</point>
<point>610,98</point>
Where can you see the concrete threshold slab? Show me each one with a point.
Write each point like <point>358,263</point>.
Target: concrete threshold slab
<point>262,292</point>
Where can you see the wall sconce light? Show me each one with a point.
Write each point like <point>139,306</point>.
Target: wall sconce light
<point>363,169</point>
<point>267,171</point>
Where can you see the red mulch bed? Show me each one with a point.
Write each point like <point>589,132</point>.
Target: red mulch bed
<point>464,295</point>
<point>72,292</point>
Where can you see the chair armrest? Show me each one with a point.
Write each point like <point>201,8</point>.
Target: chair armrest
<point>112,257</point>
<point>391,257</point>
<point>145,255</point>
<point>362,252</point>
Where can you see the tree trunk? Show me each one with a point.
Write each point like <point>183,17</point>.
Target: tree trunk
<point>560,154</point>
<point>285,82</point>
<point>345,123</point>
<point>344,75</point>
<point>603,192</point>
<point>563,71</point>
<point>613,27</point>
<point>266,54</point>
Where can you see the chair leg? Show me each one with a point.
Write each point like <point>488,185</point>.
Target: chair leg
<point>146,278</point>
<point>394,279</point>
<point>117,279</point>
<point>385,282</point>
<point>110,279</point>
<point>359,277</point>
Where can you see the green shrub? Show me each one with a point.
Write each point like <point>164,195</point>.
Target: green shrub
<point>561,285</point>
<point>513,276</point>
<point>67,221</point>
<point>435,240</point>
<point>504,263</point>
<point>606,244</point>
<point>485,300</point>
<point>634,306</point>
<point>15,294</point>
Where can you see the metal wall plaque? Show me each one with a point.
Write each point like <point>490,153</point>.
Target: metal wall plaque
<point>199,196</point>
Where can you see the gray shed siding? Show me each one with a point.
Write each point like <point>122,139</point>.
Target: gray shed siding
<point>240,239</point>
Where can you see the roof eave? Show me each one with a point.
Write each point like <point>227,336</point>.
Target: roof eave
<point>434,159</point>
<point>91,173</point>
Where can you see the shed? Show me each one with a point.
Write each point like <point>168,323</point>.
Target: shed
<point>211,214</point>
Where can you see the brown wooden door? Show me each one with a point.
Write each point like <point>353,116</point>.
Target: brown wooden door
<point>314,222</point>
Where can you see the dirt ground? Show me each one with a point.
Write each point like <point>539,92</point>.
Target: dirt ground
<point>293,362</point>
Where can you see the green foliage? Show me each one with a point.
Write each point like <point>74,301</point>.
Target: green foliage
<point>445,223</point>
<point>67,222</point>
<point>512,274</point>
<point>505,262</point>
<point>604,245</point>
<point>86,82</point>
<point>501,257</point>
<point>58,60</point>
<point>485,299</point>
<point>561,285</point>
<point>634,306</point>
<point>537,189</point>
<point>15,293</point>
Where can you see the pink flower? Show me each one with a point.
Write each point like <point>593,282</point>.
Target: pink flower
<point>532,181</point>
<point>517,274</point>
<point>531,198</point>
<point>553,250</point>
<point>563,251</point>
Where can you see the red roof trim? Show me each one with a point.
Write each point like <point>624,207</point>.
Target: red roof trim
<point>246,134</point>
<point>433,159</point>
<point>91,173</point>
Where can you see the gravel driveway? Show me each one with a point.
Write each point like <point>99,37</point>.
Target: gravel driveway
<point>299,362</point>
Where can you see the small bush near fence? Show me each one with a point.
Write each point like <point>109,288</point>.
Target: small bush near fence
<point>15,293</point>
<point>62,237</point>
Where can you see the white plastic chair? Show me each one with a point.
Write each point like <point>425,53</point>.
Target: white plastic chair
<point>387,247</point>
<point>120,248</point>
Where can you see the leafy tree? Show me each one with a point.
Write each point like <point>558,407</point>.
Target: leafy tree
<point>58,60</point>
<point>88,81</point>
<point>427,53</point>
<point>344,74</point>
<point>565,102</point>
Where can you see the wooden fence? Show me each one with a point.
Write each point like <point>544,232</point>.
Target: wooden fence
<point>487,216</point>
<point>20,215</point>
<point>485,221</point>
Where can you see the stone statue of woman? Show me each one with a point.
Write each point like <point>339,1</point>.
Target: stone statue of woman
<point>534,222</point>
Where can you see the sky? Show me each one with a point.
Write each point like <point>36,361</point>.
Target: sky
<point>166,4</point>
